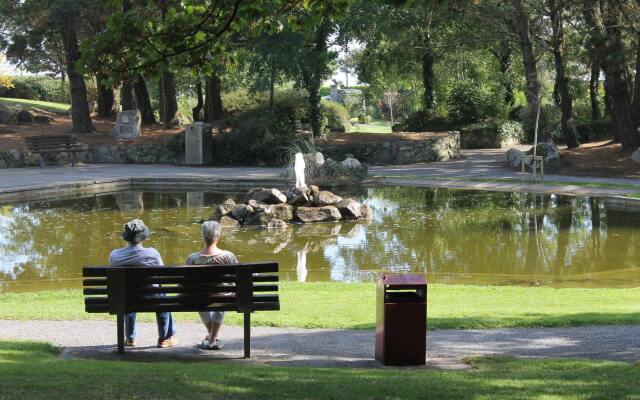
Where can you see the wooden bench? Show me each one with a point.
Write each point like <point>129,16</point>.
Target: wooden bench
<point>54,144</point>
<point>243,288</point>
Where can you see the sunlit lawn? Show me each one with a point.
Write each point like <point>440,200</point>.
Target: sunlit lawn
<point>372,127</point>
<point>32,371</point>
<point>345,305</point>
<point>28,104</point>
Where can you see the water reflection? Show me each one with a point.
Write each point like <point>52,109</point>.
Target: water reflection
<point>451,236</point>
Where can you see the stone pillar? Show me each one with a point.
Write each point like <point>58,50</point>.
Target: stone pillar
<point>198,144</point>
<point>127,125</point>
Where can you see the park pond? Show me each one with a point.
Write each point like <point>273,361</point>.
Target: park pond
<point>451,236</point>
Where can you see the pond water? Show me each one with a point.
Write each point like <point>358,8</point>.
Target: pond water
<point>457,237</point>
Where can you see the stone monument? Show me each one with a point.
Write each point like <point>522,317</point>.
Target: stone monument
<point>127,125</point>
<point>198,144</point>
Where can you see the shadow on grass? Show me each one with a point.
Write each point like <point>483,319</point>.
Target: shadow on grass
<point>40,375</point>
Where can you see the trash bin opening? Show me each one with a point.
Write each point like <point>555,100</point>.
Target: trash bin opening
<point>403,296</point>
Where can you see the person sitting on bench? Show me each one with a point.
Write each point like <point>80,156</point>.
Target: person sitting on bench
<point>211,254</point>
<point>133,254</point>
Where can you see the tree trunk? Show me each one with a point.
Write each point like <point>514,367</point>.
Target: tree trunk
<point>213,110</point>
<point>313,76</point>
<point>79,105</point>
<point>533,92</point>
<point>160,100</point>
<point>127,100</point>
<point>143,100</point>
<point>594,85</point>
<point>106,97</point>
<point>604,21</point>
<point>197,110</point>
<point>272,87</point>
<point>429,96</point>
<point>635,105</point>
<point>170,102</point>
<point>562,80</point>
<point>503,54</point>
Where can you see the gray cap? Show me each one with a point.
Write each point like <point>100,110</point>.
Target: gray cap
<point>135,231</point>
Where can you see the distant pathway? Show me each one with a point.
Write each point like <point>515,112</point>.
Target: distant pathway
<point>324,347</point>
<point>486,169</point>
<point>483,169</point>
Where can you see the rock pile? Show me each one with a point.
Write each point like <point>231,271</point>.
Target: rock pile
<point>18,115</point>
<point>274,209</point>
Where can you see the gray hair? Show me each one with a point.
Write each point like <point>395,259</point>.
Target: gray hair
<point>211,231</point>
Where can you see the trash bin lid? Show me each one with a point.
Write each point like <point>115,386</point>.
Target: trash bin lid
<point>399,281</point>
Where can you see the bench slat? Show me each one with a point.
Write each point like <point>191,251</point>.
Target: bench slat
<point>94,282</point>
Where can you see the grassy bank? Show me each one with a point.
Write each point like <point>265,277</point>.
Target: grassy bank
<point>31,370</point>
<point>343,305</point>
<point>28,104</point>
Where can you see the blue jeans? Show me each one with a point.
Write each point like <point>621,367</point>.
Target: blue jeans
<point>166,326</point>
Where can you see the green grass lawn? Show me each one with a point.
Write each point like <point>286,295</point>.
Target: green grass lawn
<point>32,370</point>
<point>344,305</point>
<point>28,104</point>
<point>371,127</point>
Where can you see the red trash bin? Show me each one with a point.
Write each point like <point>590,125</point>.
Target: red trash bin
<point>401,319</point>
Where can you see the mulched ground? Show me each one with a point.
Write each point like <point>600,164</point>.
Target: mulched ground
<point>361,137</point>
<point>599,159</point>
<point>12,136</point>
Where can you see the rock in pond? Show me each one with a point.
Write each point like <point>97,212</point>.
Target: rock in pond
<point>269,196</point>
<point>276,224</point>
<point>317,214</point>
<point>326,198</point>
<point>257,218</point>
<point>257,205</point>
<point>223,209</point>
<point>366,212</point>
<point>240,211</point>
<point>281,211</point>
<point>297,197</point>
<point>228,222</point>
<point>349,209</point>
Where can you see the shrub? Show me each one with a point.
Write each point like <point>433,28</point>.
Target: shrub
<point>241,100</point>
<point>364,119</point>
<point>424,121</point>
<point>549,123</point>
<point>469,102</point>
<point>594,130</point>
<point>6,82</point>
<point>511,131</point>
<point>336,115</point>
<point>260,136</point>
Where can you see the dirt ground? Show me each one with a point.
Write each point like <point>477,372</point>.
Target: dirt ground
<point>600,159</point>
<point>12,136</point>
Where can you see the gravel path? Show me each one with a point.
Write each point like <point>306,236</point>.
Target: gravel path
<point>323,347</point>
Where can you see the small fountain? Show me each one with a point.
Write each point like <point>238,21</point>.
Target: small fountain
<point>298,168</point>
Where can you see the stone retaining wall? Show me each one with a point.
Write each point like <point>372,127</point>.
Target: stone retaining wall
<point>96,154</point>
<point>439,147</point>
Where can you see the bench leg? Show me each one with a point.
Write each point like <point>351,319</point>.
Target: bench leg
<point>247,335</point>
<point>120,333</point>
<point>72,157</point>
<point>41,161</point>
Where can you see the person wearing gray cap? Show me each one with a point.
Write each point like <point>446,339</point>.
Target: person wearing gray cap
<point>134,254</point>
